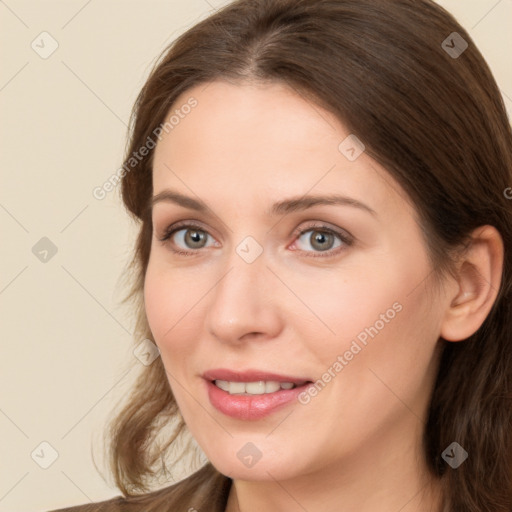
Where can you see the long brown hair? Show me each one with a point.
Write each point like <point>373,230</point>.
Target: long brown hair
<point>436,121</point>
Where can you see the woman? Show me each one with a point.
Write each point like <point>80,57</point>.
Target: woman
<point>324,263</point>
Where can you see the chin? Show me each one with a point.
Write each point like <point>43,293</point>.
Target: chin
<point>247,464</point>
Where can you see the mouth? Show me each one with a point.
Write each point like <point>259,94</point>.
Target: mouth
<point>260,387</point>
<point>252,382</point>
<point>251,395</point>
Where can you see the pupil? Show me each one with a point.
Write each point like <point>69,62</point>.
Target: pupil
<point>195,236</point>
<point>320,238</point>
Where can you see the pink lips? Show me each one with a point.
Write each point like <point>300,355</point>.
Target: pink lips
<point>251,407</point>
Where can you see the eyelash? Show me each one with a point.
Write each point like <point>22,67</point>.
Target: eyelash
<point>345,238</point>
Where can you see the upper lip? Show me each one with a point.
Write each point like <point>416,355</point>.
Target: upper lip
<point>250,376</point>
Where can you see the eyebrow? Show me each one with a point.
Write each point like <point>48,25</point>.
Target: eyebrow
<point>286,206</point>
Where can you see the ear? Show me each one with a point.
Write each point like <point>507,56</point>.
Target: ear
<point>479,277</point>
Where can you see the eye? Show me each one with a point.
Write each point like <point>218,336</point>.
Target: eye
<point>193,236</point>
<point>323,238</point>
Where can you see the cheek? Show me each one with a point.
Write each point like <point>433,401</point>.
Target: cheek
<point>155,302</point>
<point>387,336</point>
<point>346,304</point>
<point>167,303</point>
<point>378,314</point>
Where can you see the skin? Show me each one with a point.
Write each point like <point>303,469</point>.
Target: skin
<point>357,444</point>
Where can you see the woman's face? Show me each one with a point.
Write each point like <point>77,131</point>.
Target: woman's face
<point>285,287</point>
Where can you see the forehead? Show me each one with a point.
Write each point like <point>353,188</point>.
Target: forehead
<point>262,140</point>
<point>228,115</point>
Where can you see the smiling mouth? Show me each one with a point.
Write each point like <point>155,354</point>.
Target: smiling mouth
<point>261,387</point>
<point>252,394</point>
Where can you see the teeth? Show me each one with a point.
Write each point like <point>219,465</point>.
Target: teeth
<point>236,387</point>
<point>252,388</point>
<point>272,386</point>
<point>222,384</point>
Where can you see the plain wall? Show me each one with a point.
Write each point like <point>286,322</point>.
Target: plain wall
<point>67,350</point>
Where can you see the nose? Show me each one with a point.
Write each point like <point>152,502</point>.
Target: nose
<point>243,304</point>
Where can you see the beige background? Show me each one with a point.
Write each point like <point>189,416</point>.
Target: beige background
<point>66,349</point>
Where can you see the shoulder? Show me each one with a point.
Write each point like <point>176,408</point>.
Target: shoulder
<point>206,487</point>
<point>110,505</point>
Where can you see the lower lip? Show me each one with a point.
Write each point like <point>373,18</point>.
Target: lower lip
<point>251,407</point>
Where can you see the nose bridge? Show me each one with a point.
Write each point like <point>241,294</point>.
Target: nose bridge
<point>246,265</point>
<point>241,302</point>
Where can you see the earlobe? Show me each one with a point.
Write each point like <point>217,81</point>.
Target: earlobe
<point>479,277</point>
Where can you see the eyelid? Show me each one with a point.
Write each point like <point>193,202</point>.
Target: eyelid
<point>180,224</point>
<point>343,234</point>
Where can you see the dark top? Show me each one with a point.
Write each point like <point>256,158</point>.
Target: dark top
<point>206,490</point>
